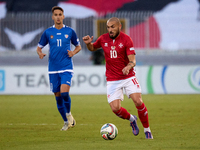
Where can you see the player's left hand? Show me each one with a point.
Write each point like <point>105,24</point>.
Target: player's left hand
<point>70,53</point>
<point>125,70</point>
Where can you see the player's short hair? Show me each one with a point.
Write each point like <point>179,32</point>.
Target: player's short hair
<point>114,19</point>
<point>55,8</point>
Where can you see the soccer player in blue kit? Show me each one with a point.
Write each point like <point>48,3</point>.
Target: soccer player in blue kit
<point>60,69</point>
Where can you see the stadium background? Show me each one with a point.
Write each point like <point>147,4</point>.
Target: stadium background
<point>165,34</point>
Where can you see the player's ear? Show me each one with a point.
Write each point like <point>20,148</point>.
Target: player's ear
<point>120,26</point>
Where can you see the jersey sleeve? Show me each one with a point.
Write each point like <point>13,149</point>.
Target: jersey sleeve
<point>130,47</point>
<point>74,39</point>
<point>43,40</point>
<point>97,43</point>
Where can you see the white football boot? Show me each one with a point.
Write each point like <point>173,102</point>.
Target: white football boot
<point>71,120</point>
<point>65,126</point>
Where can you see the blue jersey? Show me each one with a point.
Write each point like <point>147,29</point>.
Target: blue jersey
<point>59,42</point>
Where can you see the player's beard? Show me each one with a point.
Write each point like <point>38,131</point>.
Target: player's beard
<point>113,37</point>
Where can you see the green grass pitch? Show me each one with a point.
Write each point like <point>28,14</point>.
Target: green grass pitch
<point>32,122</point>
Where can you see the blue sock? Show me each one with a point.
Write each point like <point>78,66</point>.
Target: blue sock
<point>67,101</point>
<point>61,107</point>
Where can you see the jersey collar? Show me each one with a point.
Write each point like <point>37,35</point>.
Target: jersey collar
<point>54,26</point>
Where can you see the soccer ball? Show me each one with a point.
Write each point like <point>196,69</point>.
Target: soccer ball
<point>109,131</point>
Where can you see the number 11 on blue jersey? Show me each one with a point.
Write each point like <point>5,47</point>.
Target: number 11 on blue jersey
<point>59,42</point>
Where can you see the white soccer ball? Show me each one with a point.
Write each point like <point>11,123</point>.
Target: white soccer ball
<point>109,131</point>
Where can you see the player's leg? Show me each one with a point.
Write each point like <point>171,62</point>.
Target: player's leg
<point>55,87</point>
<point>60,105</point>
<point>142,113</point>
<point>115,96</point>
<point>62,110</point>
<point>65,95</point>
<point>65,88</point>
<point>124,114</point>
<point>133,91</point>
<point>67,102</point>
<point>121,112</point>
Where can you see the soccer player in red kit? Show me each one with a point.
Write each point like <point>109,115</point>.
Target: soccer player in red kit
<point>120,74</point>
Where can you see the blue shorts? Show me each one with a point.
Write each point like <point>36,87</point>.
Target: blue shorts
<point>59,78</point>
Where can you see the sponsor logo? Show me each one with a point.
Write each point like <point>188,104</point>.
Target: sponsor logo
<point>194,79</point>
<point>106,44</point>
<point>58,33</point>
<point>132,48</point>
<point>112,47</point>
<point>2,80</point>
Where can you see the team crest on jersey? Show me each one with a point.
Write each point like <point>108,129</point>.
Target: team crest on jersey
<point>121,45</point>
<point>51,36</point>
<point>66,36</point>
<point>112,47</point>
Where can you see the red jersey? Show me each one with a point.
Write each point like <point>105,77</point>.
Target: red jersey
<point>116,55</point>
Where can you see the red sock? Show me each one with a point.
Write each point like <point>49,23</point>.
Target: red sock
<point>123,113</point>
<point>143,115</point>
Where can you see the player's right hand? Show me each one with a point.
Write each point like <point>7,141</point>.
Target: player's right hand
<point>87,39</point>
<point>41,55</point>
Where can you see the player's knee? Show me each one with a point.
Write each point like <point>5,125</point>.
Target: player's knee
<point>59,101</point>
<point>57,94</point>
<point>66,96</point>
<point>137,99</point>
<point>138,102</point>
<point>115,108</point>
